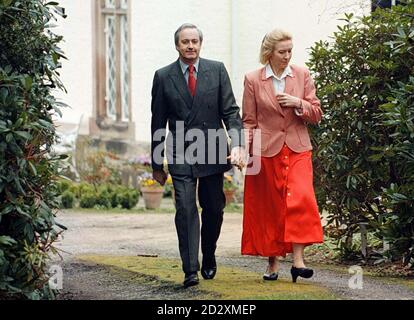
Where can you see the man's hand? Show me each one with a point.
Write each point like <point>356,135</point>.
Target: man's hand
<point>238,157</point>
<point>160,176</point>
<point>287,101</point>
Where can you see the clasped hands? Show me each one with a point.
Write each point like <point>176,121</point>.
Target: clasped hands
<point>238,157</point>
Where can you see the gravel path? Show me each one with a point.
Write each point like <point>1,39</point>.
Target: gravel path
<point>142,234</point>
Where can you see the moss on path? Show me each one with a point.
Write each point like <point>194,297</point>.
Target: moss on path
<point>231,283</point>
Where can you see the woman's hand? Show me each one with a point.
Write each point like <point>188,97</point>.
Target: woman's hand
<point>287,101</point>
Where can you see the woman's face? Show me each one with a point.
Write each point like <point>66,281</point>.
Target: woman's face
<point>282,54</point>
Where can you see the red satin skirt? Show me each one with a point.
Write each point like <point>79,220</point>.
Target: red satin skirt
<point>280,206</point>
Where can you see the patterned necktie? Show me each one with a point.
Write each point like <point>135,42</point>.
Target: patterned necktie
<point>192,82</point>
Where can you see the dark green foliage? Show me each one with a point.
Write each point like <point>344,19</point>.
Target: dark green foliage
<point>83,188</point>
<point>88,200</point>
<point>127,199</point>
<point>63,185</point>
<point>398,197</point>
<point>29,59</point>
<point>68,200</point>
<point>117,196</point>
<point>364,151</point>
<point>105,196</point>
<point>103,199</point>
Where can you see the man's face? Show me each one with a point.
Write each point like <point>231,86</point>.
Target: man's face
<point>189,45</point>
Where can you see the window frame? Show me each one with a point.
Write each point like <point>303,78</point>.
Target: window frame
<point>100,60</point>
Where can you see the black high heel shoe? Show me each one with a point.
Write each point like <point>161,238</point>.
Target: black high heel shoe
<point>300,272</point>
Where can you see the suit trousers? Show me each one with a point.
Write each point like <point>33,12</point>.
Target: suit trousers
<point>212,202</point>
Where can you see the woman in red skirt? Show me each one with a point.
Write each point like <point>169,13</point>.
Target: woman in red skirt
<point>280,210</point>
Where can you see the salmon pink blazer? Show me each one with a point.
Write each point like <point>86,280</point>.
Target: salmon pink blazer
<point>278,125</point>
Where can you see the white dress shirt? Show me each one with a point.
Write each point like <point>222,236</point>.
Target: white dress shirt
<point>279,83</point>
<point>184,69</point>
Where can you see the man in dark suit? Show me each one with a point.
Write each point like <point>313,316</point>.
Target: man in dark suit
<point>194,96</point>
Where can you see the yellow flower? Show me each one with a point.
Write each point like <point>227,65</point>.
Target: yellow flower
<point>228,183</point>
<point>151,183</point>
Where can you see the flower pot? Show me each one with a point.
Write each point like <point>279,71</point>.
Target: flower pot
<point>152,197</point>
<point>229,195</point>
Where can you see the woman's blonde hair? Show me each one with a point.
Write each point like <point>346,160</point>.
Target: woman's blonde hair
<point>269,43</point>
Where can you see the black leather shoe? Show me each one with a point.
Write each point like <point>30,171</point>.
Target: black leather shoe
<point>191,279</point>
<point>300,272</point>
<point>208,273</point>
<point>271,276</point>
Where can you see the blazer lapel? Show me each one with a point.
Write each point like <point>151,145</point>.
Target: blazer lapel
<point>289,84</point>
<point>202,83</point>
<point>270,90</point>
<point>180,84</point>
<point>289,89</point>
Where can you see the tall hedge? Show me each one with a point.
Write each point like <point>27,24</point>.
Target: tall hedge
<point>365,145</point>
<point>29,63</point>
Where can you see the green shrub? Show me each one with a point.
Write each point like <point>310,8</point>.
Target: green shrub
<point>74,188</point>
<point>88,200</point>
<point>114,191</point>
<point>127,199</point>
<point>29,63</point>
<point>398,197</point>
<point>83,188</point>
<point>68,200</point>
<point>63,185</point>
<point>104,200</point>
<point>105,196</point>
<point>114,200</point>
<point>364,146</point>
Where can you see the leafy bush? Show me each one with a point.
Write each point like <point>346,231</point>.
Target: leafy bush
<point>68,200</point>
<point>104,196</point>
<point>398,197</point>
<point>127,199</point>
<point>114,200</point>
<point>104,200</point>
<point>88,200</point>
<point>83,188</point>
<point>74,188</point>
<point>63,185</point>
<point>29,60</point>
<point>364,147</point>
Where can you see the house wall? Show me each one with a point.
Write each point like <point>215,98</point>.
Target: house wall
<point>233,30</point>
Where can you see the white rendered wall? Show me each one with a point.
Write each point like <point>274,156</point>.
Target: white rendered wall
<point>76,73</point>
<point>233,31</point>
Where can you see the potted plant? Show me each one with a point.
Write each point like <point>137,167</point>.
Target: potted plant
<point>229,188</point>
<point>152,191</point>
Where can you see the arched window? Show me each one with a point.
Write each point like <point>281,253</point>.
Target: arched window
<point>112,67</point>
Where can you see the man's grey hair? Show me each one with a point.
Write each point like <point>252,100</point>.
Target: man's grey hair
<point>187,26</point>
